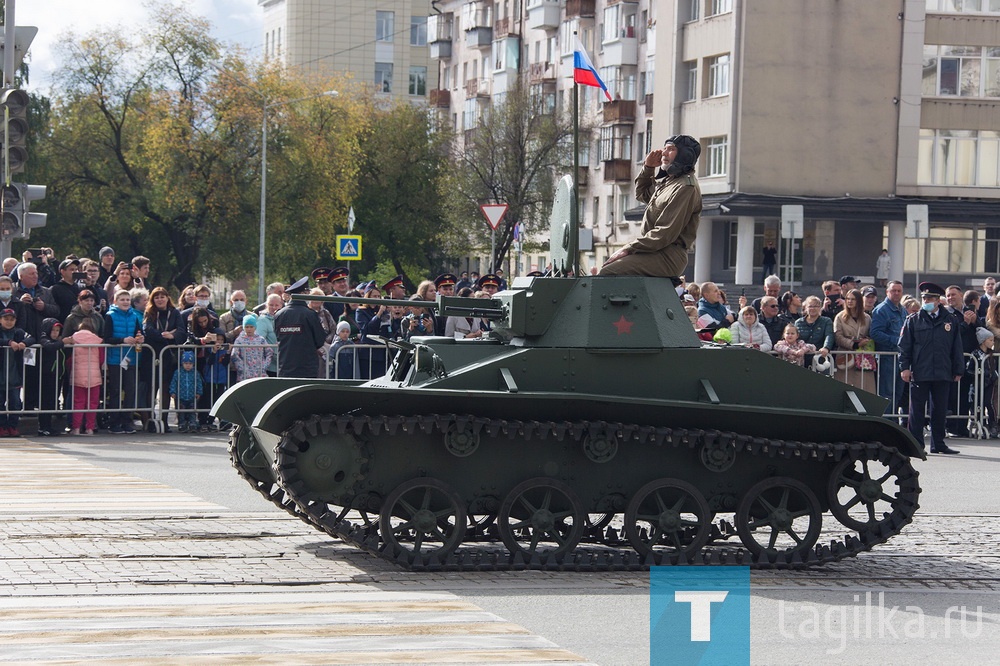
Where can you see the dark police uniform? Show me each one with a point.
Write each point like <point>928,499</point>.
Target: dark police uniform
<point>300,335</point>
<point>443,280</point>
<point>930,347</point>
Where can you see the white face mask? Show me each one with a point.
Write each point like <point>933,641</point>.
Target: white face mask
<point>5,295</point>
<point>239,306</point>
<point>201,302</point>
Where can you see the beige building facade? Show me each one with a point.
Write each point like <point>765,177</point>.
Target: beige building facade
<point>852,109</point>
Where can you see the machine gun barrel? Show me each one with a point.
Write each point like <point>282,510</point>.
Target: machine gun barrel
<point>446,306</point>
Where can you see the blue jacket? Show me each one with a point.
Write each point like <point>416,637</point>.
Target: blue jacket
<point>715,310</point>
<point>931,347</point>
<point>186,384</point>
<point>118,325</point>
<point>818,333</point>
<point>887,324</point>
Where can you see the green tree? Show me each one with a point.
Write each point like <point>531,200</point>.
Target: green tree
<point>154,148</point>
<point>511,158</point>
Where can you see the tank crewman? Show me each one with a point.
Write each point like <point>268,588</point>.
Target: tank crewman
<point>669,188</point>
<point>445,284</point>
<point>930,360</point>
<point>394,289</point>
<point>300,336</point>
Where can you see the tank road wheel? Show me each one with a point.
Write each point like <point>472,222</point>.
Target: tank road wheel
<point>541,516</point>
<point>779,515</point>
<point>857,491</point>
<point>668,517</point>
<point>423,518</point>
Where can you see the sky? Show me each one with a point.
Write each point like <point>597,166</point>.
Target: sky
<point>236,21</point>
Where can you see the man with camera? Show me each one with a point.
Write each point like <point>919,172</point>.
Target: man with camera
<point>833,301</point>
<point>41,257</point>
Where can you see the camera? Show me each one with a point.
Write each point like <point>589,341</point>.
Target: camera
<point>78,276</point>
<point>37,254</point>
<point>968,308</point>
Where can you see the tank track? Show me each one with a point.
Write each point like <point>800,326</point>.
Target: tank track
<point>597,551</point>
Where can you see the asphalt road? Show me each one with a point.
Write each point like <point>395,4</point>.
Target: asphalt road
<point>944,562</point>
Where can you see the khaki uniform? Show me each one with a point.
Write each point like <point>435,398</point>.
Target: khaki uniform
<point>669,226</point>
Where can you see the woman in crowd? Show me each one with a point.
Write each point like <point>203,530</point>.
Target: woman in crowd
<point>204,332</point>
<point>186,299</point>
<point>162,328</point>
<point>850,328</point>
<point>791,305</point>
<point>144,376</point>
<point>461,328</point>
<point>814,328</point>
<point>427,291</point>
<point>370,317</point>
<point>122,279</point>
<point>749,332</point>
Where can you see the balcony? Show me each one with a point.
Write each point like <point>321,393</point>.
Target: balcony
<point>543,15</point>
<point>439,31</point>
<point>477,88</point>
<point>580,9</point>
<point>618,171</point>
<point>622,50</point>
<point>541,72</point>
<point>619,112</point>
<point>479,37</point>
<point>440,99</point>
<point>504,27</point>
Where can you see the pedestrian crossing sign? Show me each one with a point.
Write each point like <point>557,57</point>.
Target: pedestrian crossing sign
<point>349,248</point>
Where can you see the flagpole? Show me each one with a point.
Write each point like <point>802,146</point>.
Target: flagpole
<point>574,235</point>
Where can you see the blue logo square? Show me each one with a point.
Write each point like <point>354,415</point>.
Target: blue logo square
<point>699,615</point>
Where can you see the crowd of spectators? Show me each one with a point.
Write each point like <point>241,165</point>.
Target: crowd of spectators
<point>851,331</point>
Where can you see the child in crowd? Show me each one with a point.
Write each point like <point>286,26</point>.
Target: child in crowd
<point>982,360</point>
<point>13,341</point>
<point>342,363</point>
<point>85,375</point>
<point>185,388</point>
<point>51,365</point>
<point>250,355</point>
<point>791,348</point>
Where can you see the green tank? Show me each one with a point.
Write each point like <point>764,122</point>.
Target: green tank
<point>591,430</point>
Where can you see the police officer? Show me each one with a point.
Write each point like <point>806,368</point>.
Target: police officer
<point>445,285</point>
<point>300,336</point>
<point>930,360</point>
<point>394,289</point>
<point>489,283</point>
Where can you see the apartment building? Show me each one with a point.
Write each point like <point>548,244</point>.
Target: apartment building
<point>383,43</point>
<point>852,109</point>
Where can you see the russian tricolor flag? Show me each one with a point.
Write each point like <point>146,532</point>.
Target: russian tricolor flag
<point>584,71</point>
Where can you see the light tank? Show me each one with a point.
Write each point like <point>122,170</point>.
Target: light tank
<point>591,430</point>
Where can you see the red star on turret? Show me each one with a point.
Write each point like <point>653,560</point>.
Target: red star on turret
<point>623,325</point>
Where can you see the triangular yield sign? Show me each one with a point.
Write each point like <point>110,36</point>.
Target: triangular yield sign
<point>494,213</point>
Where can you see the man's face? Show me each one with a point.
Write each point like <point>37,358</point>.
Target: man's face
<point>447,290</point>
<point>67,273</point>
<point>324,286</point>
<point>990,286</point>
<point>108,260</point>
<point>29,277</point>
<point>397,292</point>
<point>772,290</point>
<point>668,155</point>
<point>710,294</point>
<point>140,272</point>
<point>490,289</point>
<point>123,300</point>
<point>834,290</point>
<point>954,297</point>
<point>894,292</point>
<point>238,296</point>
<point>932,298</point>
<point>340,286</point>
<point>93,272</point>
<point>769,308</point>
<point>870,301</point>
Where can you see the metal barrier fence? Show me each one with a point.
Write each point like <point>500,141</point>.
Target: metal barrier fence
<point>58,383</point>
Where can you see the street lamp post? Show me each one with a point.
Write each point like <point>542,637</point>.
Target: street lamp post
<point>263,182</point>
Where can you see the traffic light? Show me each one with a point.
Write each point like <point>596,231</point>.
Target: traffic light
<point>15,131</point>
<point>18,220</point>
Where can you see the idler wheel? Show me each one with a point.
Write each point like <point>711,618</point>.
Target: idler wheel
<point>668,517</point>
<point>422,518</point>
<point>779,516</point>
<point>862,494</point>
<point>541,516</point>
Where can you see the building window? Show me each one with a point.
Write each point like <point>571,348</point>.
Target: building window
<point>616,143</point>
<point>470,114</point>
<point>384,26</point>
<point>621,81</point>
<point>383,77</point>
<point>969,158</point>
<point>720,7</point>
<point>418,31</point>
<point>649,137</point>
<point>716,155</point>
<point>694,9</point>
<point>966,71</point>
<point>958,6</point>
<point>729,252</point>
<point>418,81</point>
<point>650,75</point>
<point>691,91</point>
<point>718,75</point>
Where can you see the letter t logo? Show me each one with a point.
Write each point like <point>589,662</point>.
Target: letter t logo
<point>701,610</point>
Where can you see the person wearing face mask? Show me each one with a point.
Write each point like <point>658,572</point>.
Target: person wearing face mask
<point>202,299</point>
<point>231,322</point>
<point>930,361</point>
<point>669,188</point>
<point>8,302</point>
